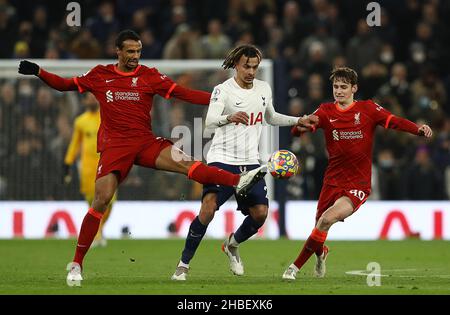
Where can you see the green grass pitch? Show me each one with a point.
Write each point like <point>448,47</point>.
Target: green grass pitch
<point>145,267</point>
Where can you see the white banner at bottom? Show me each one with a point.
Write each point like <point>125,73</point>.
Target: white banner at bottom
<point>163,219</point>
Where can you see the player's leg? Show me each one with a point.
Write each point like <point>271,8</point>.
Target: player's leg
<point>255,207</point>
<point>174,160</point>
<point>105,187</point>
<point>196,231</point>
<point>247,229</point>
<point>341,209</point>
<point>99,239</point>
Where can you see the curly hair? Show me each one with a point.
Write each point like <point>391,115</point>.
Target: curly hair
<point>233,57</point>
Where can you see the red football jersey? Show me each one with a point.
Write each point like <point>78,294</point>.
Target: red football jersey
<point>126,100</point>
<point>349,138</point>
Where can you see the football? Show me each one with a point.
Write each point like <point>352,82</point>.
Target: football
<point>283,164</point>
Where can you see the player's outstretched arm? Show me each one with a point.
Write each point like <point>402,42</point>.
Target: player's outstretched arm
<point>406,125</point>
<point>191,96</point>
<point>30,68</point>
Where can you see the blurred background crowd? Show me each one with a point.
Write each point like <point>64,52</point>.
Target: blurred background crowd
<point>404,65</point>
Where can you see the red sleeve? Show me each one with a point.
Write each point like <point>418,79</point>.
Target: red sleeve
<point>403,124</point>
<point>386,119</point>
<point>161,83</point>
<point>379,114</point>
<point>167,88</point>
<point>191,96</point>
<point>57,82</point>
<point>87,81</point>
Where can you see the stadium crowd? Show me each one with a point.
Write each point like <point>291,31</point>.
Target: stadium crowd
<point>404,65</point>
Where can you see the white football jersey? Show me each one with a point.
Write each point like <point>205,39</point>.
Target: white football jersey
<point>237,144</point>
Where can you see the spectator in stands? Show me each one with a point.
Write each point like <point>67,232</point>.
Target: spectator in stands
<point>215,44</point>
<point>184,44</point>
<point>151,47</point>
<point>364,47</point>
<point>104,23</point>
<point>40,32</point>
<point>85,46</point>
<point>428,95</point>
<point>330,44</point>
<point>389,175</point>
<point>422,180</point>
<point>8,29</point>
<point>398,87</point>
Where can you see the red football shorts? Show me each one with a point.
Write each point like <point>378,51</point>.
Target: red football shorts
<point>329,194</point>
<point>120,159</point>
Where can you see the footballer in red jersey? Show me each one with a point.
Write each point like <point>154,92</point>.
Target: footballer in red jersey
<point>125,92</point>
<point>349,128</point>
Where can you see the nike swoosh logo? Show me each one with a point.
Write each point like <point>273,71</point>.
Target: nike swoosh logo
<point>333,120</point>
<point>238,103</point>
<point>107,81</point>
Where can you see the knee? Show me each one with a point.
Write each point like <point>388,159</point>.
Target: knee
<point>208,209</point>
<point>260,215</point>
<point>326,220</point>
<point>101,201</point>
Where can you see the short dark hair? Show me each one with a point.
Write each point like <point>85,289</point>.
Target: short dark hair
<point>233,57</point>
<point>346,74</point>
<point>124,35</point>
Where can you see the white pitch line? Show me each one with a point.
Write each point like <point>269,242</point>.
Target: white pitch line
<point>367,273</point>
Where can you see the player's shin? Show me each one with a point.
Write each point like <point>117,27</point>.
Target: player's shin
<point>195,234</point>
<point>313,244</point>
<point>205,174</point>
<point>247,229</point>
<point>88,230</point>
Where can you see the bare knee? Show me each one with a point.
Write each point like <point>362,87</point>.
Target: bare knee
<point>326,221</point>
<point>208,208</point>
<point>102,198</point>
<point>259,213</point>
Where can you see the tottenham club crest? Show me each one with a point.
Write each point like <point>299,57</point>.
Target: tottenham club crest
<point>357,118</point>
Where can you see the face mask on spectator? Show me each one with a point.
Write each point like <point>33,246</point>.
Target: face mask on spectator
<point>387,57</point>
<point>386,164</point>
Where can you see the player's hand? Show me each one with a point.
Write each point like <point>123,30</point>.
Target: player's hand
<point>238,117</point>
<point>67,174</point>
<point>307,121</point>
<point>297,131</point>
<point>425,131</point>
<point>27,67</point>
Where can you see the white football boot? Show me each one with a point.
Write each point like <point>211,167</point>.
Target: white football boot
<point>232,251</point>
<point>250,178</point>
<point>74,276</point>
<point>319,267</point>
<point>290,273</point>
<point>181,272</point>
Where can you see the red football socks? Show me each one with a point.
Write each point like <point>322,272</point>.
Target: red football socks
<point>314,244</point>
<point>205,174</point>
<point>88,230</point>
